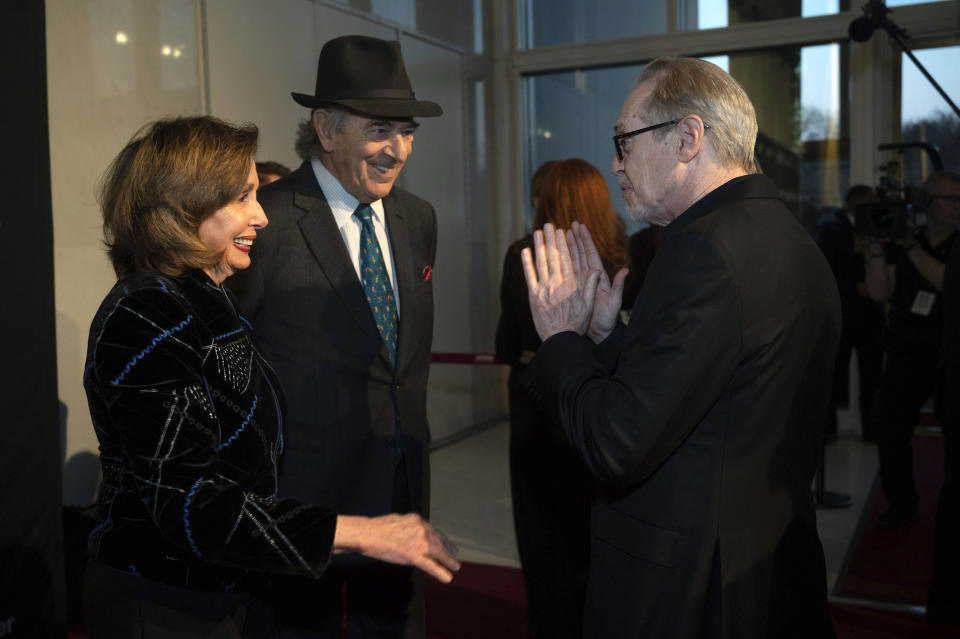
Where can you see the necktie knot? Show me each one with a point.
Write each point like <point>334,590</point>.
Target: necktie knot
<point>364,213</point>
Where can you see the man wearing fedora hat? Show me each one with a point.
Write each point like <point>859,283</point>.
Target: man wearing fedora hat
<point>341,301</point>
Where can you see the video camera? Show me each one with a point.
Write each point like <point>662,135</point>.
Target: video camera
<point>887,218</point>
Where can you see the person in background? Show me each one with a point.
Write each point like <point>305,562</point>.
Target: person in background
<point>943,603</point>
<point>909,274</point>
<point>701,419</point>
<point>188,414</point>
<point>340,296</point>
<point>862,316</point>
<point>551,488</point>
<point>536,183</point>
<point>269,171</point>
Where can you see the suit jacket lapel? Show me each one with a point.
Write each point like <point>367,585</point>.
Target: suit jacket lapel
<point>406,273</point>
<point>326,244</point>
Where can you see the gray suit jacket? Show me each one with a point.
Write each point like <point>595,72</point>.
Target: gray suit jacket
<point>311,321</point>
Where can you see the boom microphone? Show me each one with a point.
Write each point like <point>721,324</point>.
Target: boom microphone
<point>861,29</point>
<point>874,17</point>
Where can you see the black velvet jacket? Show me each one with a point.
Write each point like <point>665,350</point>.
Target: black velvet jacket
<point>189,419</point>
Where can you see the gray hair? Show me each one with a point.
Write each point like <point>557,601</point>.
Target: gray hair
<point>685,86</point>
<point>307,144</point>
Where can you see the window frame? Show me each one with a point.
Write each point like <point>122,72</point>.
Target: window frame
<point>873,78</point>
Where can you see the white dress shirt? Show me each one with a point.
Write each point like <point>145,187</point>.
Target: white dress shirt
<point>342,204</point>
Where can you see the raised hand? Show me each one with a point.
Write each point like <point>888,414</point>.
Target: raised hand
<point>407,540</point>
<point>560,299</point>
<point>609,295</point>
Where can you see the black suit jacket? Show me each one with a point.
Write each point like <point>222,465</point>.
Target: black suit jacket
<point>312,322</point>
<point>704,419</point>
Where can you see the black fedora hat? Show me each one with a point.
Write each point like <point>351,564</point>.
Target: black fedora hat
<point>366,75</point>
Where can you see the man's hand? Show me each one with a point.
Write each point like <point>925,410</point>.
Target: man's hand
<point>609,296</point>
<point>909,240</point>
<point>558,301</point>
<point>406,540</point>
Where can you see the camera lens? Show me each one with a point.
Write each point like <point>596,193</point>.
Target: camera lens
<point>884,217</point>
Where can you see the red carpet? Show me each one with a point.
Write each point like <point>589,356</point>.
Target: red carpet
<point>861,623</point>
<point>895,565</point>
<point>483,602</point>
<point>488,602</point>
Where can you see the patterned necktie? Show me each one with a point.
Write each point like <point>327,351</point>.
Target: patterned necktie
<point>376,282</point>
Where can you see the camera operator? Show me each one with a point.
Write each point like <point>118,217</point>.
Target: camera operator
<point>909,274</point>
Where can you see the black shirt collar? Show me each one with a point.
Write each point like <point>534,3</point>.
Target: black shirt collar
<point>744,187</point>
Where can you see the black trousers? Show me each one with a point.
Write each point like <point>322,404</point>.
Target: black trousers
<point>944,597</point>
<point>908,381</point>
<point>356,597</point>
<point>120,605</point>
<point>864,337</point>
<point>552,493</point>
<point>371,601</point>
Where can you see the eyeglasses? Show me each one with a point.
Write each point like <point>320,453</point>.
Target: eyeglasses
<point>618,139</point>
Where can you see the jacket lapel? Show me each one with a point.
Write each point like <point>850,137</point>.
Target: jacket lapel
<point>323,238</point>
<point>406,272</point>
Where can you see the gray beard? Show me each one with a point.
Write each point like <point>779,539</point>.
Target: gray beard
<point>641,213</point>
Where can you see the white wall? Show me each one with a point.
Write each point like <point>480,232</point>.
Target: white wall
<point>438,174</point>
<point>239,60</point>
<point>100,91</point>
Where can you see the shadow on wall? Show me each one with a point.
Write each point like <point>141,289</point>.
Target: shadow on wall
<point>81,473</point>
<point>81,478</point>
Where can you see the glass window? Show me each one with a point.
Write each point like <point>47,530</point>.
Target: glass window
<point>554,22</point>
<point>459,23</point>
<point>571,114</point>
<point>803,143</point>
<point>926,116</point>
<point>903,3</point>
<point>715,14</point>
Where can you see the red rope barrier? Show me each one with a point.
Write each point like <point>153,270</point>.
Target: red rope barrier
<point>464,358</point>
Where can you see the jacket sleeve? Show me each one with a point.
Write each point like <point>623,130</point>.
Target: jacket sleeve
<point>157,414</point>
<point>675,359</point>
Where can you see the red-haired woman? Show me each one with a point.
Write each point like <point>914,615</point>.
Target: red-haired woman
<point>551,487</point>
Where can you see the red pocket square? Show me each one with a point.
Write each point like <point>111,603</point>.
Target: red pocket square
<point>427,273</point>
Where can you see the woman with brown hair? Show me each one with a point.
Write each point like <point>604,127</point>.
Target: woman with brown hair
<point>551,488</point>
<point>188,414</point>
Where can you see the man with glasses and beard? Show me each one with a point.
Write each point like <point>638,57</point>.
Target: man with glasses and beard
<point>703,418</point>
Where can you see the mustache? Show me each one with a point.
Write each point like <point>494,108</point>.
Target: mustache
<point>386,161</point>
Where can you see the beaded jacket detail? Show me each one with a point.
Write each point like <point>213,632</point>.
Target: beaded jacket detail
<point>189,421</point>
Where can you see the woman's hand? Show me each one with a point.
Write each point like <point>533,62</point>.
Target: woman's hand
<point>407,540</point>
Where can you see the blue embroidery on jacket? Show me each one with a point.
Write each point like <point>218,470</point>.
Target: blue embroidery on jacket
<point>242,426</point>
<point>156,340</point>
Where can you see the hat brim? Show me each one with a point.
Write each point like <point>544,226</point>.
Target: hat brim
<point>380,107</point>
